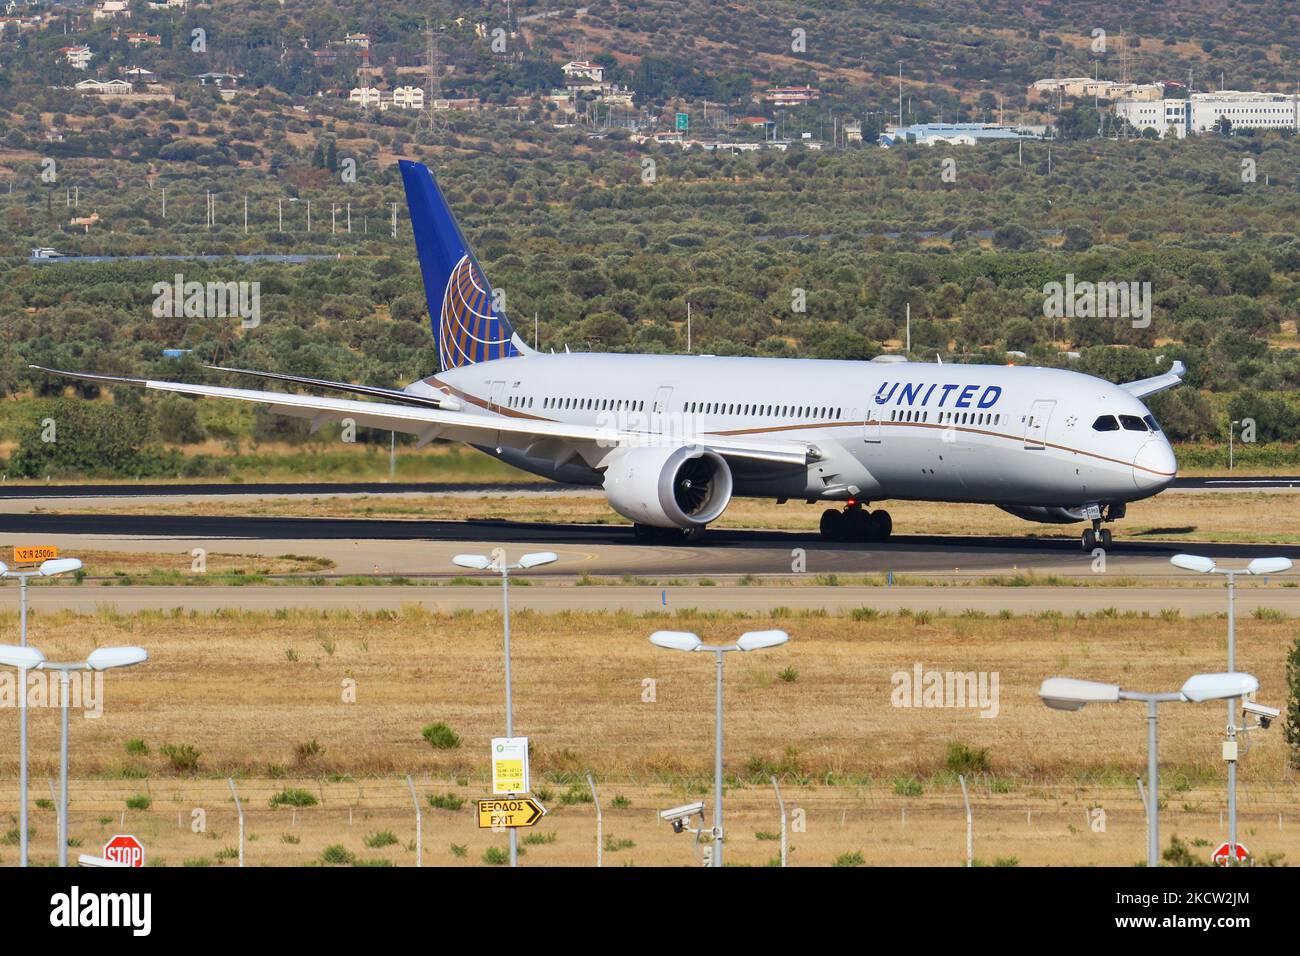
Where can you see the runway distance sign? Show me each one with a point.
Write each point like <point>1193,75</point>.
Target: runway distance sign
<point>34,554</point>
<point>514,812</point>
<point>510,765</point>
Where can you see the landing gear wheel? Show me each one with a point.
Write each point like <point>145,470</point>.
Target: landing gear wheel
<point>643,532</point>
<point>1104,536</point>
<point>855,524</point>
<point>693,534</point>
<point>879,526</point>
<point>1089,540</point>
<point>832,525</point>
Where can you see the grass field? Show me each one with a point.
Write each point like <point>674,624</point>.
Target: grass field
<point>1238,517</point>
<point>265,698</point>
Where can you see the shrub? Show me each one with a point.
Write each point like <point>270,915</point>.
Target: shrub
<point>305,751</point>
<point>337,854</point>
<point>963,759</point>
<point>446,801</point>
<point>293,797</point>
<point>184,758</point>
<point>140,801</point>
<point>380,839</point>
<point>440,736</point>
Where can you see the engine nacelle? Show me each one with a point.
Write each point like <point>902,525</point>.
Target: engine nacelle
<point>684,487</point>
<point>1046,515</point>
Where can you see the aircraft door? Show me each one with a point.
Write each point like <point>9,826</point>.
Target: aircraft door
<point>660,404</point>
<point>1036,424</point>
<point>495,395</point>
<point>871,428</point>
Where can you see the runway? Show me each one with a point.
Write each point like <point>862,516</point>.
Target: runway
<point>425,548</point>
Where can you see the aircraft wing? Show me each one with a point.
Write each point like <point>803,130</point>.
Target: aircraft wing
<point>1156,383</point>
<point>592,442</point>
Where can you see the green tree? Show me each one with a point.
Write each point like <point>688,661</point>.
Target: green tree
<point>1291,729</point>
<point>71,438</point>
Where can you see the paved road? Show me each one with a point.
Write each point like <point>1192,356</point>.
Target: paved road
<point>1189,601</point>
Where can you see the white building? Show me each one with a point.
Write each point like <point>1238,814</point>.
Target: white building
<point>364,96</point>
<point>109,87</point>
<point>1080,87</point>
<point>408,98</point>
<point>112,10</point>
<point>77,57</point>
<point>1166,117</point>
<point>1244,110</point>
<point>583,70</point>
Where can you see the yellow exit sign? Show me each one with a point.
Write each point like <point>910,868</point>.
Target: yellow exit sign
<point>35,554</point>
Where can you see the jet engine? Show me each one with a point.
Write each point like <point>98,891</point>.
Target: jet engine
<point>683,487</point>
<point>1046,515</point>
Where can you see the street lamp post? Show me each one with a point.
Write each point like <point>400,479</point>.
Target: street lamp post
<point>103,659</point>
<point>481,562</point>
<point>1068,693</point>
<point>1260,566</point>
<point>750,641</point>
<point>47,569</point>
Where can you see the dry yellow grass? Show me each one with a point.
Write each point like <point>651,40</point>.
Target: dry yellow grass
<point>153,564</point>
<point>247,689</point>
<point>1242,517</point>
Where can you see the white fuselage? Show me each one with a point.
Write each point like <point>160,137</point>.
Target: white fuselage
<point>973,433</point>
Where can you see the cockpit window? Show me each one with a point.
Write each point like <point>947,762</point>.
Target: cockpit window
<point>1132,423</point>
<point>1151,423</point>
<point>1106,423</point>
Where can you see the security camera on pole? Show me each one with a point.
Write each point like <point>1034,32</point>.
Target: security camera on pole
<point>506,763</point>
<point>685,641</point>
<point>1258,567</point>
<point>1068,693</point>
<point>48,568</point>
<point>29,658</point>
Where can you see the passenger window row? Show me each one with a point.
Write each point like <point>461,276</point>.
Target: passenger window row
<point>595,404</point>
<point>769,411</point>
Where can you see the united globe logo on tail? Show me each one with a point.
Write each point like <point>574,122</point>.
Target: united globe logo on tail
<point>469,329</point>
<point>466,317</point>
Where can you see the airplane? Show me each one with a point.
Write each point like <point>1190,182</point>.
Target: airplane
<point>671,439</point>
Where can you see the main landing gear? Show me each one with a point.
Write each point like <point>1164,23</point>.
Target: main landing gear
<point>855,523</point>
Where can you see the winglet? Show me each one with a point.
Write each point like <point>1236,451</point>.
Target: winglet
<point>1156,383</point>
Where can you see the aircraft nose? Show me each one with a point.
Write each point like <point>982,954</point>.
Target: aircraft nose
<point>1154,466</point>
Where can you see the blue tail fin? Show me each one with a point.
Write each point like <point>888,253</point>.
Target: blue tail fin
<point>466,322</point>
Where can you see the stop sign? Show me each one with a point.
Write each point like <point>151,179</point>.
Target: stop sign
<point>1223,854</point>
<point>124,849</point>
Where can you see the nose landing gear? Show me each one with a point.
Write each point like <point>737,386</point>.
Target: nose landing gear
<point>855,523</point>
<point>1097,536</point>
